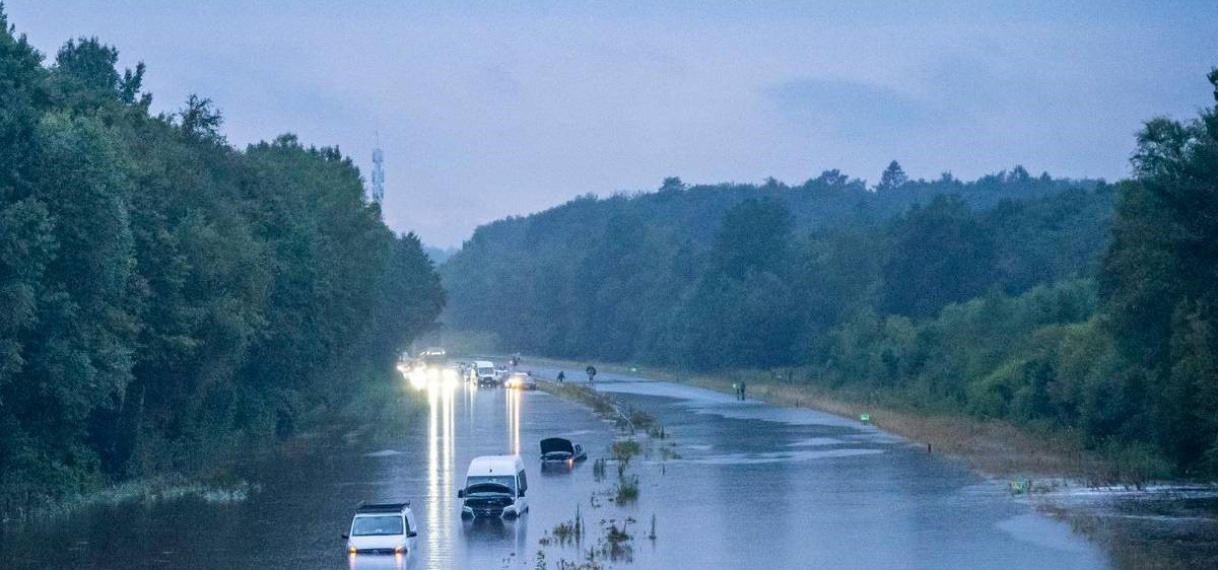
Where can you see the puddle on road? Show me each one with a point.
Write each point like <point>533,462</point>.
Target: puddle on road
<point>816,442</point>
<point>777,457</point>
<point>703,401</point>
<point>876,437</point>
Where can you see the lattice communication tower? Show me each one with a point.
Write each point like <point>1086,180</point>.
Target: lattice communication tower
<point>378,176</point>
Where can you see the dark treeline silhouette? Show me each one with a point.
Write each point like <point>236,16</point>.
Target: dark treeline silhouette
<point>757,276</point>
<point>165,297</point>
<point>1012,296</point>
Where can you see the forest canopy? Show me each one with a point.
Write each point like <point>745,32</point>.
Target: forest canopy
<point>165,296</point>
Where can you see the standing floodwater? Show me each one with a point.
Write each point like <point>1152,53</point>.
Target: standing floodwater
<point>766,487</point>
<point>749,485</point>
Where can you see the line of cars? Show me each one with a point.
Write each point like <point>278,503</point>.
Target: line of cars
<point>495,486</point>
<point>486,374</point>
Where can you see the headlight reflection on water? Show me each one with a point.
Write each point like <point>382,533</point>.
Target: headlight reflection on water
<point>431,377</point>
<point>417,381</point>
<point>441,386</point>
<point>440,446</point>
<point>513,415</point>
<point>376,561</point>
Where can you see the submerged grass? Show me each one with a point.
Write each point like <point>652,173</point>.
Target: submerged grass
<point>615,544</point>
<point>598,469</point>
<point>161,488</point>
<point>602,404</point>
<point>625,449</point>
<point>627,490</point>
<point>1131,547</point>
<point>566,532</point>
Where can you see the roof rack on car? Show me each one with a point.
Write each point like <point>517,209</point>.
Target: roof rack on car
<point>364,507</point>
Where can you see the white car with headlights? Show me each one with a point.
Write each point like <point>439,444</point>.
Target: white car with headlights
<point>382,528</point>
<point>520,381</point>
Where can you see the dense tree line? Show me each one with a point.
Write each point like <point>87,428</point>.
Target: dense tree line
<point>757,276</point>
<point>1079,305</point>
<point>164,296</point>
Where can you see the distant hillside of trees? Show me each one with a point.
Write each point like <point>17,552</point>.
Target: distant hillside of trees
<point>164,296</point>
<point>439,255</point>
<point>673,277</point>
<point>1075,305</point>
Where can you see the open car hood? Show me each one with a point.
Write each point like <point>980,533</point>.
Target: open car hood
<point>496,488</point>
<point>557,444</point>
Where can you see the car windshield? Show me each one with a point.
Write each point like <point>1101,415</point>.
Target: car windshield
<point>377,526</point>
<point>491,484</point>
<point>485,370</point>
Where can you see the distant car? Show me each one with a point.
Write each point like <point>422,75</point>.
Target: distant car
<point>501,372</point>
<point>520,381</point>
<point>484,373</point>
<point>561,450</point>
<point>434,352</point>
<point>382,528</point>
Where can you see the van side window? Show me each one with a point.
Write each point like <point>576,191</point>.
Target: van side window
<point>524,482</point>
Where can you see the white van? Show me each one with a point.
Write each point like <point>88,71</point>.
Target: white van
<point>495,486</point>
<point>484,373</point>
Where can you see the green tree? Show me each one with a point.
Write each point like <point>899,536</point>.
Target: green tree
<point>742,313</point>
<point>84,79</point>
<point>755,236</point>
<point>164,296</point>
<point>892,178</point>
<point>941,254</point>
<point>1158,278</point>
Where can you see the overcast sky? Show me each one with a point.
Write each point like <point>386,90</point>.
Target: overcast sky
<point>485,111</point>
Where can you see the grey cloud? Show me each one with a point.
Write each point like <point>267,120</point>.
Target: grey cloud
<point>848,108</point>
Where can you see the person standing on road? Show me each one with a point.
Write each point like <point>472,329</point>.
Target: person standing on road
<point>742,390</point>
<point>561,376</point>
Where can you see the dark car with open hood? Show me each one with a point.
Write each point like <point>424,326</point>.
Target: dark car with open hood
<point>558,449</point>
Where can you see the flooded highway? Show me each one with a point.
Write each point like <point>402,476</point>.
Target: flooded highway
<point>746,485</point>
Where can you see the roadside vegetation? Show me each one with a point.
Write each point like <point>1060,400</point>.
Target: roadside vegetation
<point>615,543</point>
<point>1075,308</point>
<point>167,299</point>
